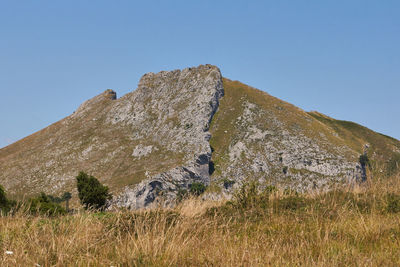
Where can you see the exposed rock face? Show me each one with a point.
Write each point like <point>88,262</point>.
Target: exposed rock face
<point>172,111</point>
<point>163,187</point>
<point>154,142</point>
<point>271,150</point>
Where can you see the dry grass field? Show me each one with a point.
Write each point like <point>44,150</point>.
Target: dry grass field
<point>347,227</point>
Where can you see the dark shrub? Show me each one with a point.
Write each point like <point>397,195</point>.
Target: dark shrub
<point>197,188</point>
<point>5,203</point>
<point>43,204</point>
<point>92,194</point>
<point>3,198</point>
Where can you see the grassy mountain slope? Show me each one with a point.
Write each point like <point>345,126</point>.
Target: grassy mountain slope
<point>158,127</point>
<point>49,159</point>
<point>255,135</point>
<point>383,151</point>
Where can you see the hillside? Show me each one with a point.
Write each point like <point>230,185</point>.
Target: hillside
<point>185,126</point>
<point>255,135</point>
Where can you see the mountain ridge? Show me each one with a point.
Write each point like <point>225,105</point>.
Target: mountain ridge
<point>192,125</point>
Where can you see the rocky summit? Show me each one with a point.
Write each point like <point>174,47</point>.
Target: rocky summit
<point>190,126</point>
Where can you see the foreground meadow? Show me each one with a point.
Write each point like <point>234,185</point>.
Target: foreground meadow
<point>347,227</point>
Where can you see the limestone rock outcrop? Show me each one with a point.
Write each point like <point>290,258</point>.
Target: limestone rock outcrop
<point>171,111</point>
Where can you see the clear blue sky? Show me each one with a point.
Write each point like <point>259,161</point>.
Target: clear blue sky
<point>341,58</point>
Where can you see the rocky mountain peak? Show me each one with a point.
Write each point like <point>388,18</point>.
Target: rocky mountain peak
<point>110,94</point>
<point>173,112</point>
<point>189,126</point>
<point>96,102</point>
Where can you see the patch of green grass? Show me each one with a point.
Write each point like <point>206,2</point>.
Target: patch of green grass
<point>393,203</point>
<point>214,187</point>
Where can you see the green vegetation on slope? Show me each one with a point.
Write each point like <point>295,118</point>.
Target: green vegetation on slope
<point>222,127</point>
<point>43,204</point>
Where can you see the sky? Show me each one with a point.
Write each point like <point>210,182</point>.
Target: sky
<point>341,58</point>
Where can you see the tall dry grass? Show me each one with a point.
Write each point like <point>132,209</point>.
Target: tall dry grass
<point>354,227</point>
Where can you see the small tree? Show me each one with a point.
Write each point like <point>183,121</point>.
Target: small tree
<point>66,197</point>
<point>92,194</point>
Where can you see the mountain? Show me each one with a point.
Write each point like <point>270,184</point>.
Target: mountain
<point>257,135</point>
<point>193,126</point>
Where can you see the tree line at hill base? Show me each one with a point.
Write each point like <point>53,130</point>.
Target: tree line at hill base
<point>92,195</point>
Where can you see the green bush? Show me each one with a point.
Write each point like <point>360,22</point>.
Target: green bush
<point>92,194</point>
<point>5,204</point>
<point>197,188</point>
<point>393,203</point>
<point>249,196</point>
<point>44,205</point>
<point>3,198</point>
<point>246,196</point>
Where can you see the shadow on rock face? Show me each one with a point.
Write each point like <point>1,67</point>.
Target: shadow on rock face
<point>211,168</point>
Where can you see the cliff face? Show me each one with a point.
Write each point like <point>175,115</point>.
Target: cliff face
<point>186,126</point>
<point>170,114</point>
